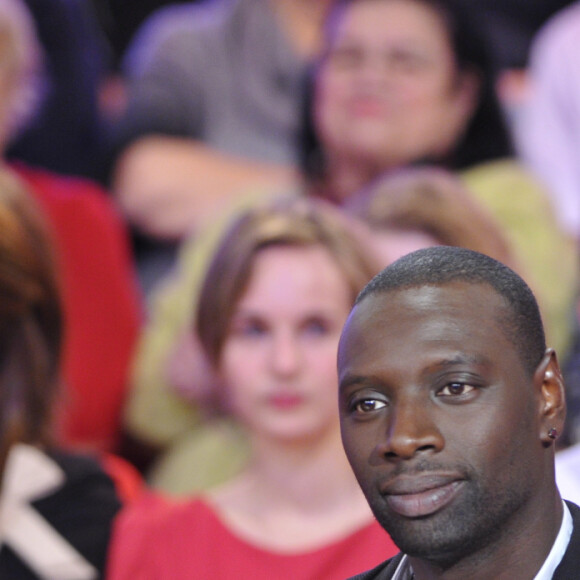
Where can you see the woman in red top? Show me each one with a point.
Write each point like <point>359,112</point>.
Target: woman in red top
<point>101,301</point>
<point>272,305</point>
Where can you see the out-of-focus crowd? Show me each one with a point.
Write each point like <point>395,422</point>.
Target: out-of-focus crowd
<point>192,194</point>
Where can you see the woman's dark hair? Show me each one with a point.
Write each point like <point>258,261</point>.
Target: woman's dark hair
<point>31,324</point>
<point>486,137</point>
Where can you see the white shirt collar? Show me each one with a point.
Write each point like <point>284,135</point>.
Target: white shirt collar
<point>404,570</point>
<point>30,474</point>
<point>546,572</point>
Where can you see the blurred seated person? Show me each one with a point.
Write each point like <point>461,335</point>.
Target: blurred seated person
<point>549,136</point>
<point>399,83</point>
<point>509,28</point>
<point>214,95</point>
<point>101,303</point>
<point>418,207</point>
<point>274,299</point>
<point>56,508</point>
<point>427,206</point>
<point>568,472</point>
<point>67,131</point>
<point>408,83</point>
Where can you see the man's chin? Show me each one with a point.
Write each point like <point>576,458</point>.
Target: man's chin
<point>436,538</point>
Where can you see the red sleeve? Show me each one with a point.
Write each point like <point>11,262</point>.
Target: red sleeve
<point>102,304</point>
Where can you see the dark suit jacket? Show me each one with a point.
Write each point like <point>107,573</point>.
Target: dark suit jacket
<point>569,568</point>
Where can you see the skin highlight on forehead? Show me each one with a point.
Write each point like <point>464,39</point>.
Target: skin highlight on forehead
<point>460,301</point>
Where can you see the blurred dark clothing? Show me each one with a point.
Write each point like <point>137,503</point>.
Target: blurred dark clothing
<point>78,510</point>
<point>509,26</point>
<point>120,20</point>
<point>67,134</point>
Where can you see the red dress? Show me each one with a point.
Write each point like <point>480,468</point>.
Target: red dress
<point>102,304</point>
<point>155,541</point>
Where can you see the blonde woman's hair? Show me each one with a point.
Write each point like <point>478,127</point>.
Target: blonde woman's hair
<point>285,222</point>
<point>433,201</point>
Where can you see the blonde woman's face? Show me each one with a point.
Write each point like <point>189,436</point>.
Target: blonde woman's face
<point>388,91</point>
<point>279,359</point>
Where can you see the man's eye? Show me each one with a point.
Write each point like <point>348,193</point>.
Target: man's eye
<point>455,389</point>
<point>368,405</point>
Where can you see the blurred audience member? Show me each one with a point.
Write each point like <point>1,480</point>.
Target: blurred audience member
<point>406,210</point>
<point>67,132</point>
<point>101,302</point>
<point>120,20</point>
<point>214,99</point>
<point>400,83</point>
<point>409,82</point>
<point>272,305</point>
<point>425,206</point>
<point>568,472</point>
<point>549,136</point>
<point>57,508</point>
<point>510,26</point>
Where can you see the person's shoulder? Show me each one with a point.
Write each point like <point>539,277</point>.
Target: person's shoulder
<point>570,564</point>
<point>163,514</point>
<point>383,571</point>
<point>502,169</point>
<point>77,466</point>
<point>493,178</point>
<point>65,192</point>
<point>85,481</point>
<point>74,204</point>
<point>575,511</point>
<point>559,31</point>
<point>178,27</point>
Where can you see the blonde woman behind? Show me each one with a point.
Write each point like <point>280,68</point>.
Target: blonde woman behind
<point>272,304</point>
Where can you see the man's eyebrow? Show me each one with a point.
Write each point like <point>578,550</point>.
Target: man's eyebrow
<point>349,380</point>
<point>459,359</point>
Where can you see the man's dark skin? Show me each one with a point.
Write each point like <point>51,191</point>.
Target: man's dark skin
<point>448,432</point>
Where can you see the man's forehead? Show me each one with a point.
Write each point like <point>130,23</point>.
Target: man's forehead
<point>456,304</point>
<point>429,296</point>
<point>438,324</point>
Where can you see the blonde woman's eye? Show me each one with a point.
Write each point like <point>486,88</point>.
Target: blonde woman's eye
<point>316,326</point>
<point>249,328</point>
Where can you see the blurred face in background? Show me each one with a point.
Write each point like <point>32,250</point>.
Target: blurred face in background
<point>278,363</point>
<point>388,91</point>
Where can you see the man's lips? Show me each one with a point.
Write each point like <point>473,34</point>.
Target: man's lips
<point>419,496</point>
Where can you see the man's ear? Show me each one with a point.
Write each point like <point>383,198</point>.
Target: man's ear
<point>549,383</point>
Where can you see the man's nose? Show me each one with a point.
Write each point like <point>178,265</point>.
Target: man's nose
<point>411,429</point>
